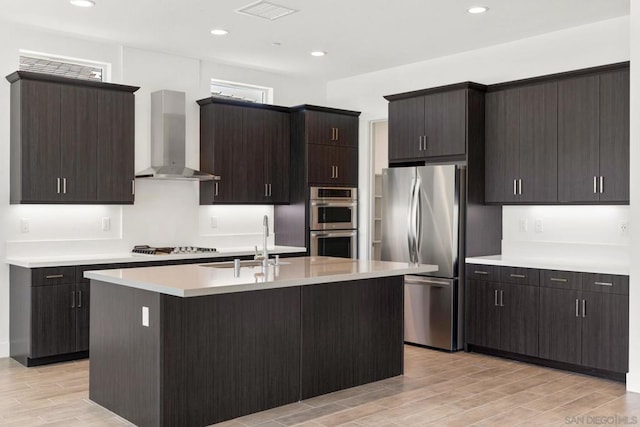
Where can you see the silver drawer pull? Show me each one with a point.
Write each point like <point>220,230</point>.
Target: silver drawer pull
<point>518,276</point>
<point>480,272</point>
<point>603,283</point>
<point>556,279</point>
<point>54,276</point>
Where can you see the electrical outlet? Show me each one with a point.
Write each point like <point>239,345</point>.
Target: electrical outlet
<point>539,225</point>
<point>106,223</point>
<point>145,316</point>
<point>24,225</point>
<point>523,225</point>
<point>214,222</point>
<point>624,228</point>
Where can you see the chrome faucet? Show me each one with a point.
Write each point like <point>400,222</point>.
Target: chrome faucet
<point>265,233</point>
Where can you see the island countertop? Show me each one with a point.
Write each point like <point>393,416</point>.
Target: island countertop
<point>192,280</point>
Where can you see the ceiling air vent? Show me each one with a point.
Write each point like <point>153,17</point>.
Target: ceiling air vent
<point>266,10</point>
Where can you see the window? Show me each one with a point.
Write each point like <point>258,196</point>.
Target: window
<point>241,91</point>
<point>64,67</point>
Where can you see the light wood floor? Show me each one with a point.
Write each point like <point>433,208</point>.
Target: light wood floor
<point>438,389</point>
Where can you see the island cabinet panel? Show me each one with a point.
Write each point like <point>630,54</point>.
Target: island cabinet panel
<point>352,334</point>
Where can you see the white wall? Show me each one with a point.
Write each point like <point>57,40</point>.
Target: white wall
<point>165,212</point>
<point>633,377</point>
<point>600,43</point>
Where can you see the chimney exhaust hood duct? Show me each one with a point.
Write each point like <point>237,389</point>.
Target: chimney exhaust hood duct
<point>168,140</point>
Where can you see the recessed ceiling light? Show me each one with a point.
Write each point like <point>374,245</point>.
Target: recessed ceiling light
<point>83,3</point>
<point>318,53</point>
<point>477,9</point>
<point>219,32</point>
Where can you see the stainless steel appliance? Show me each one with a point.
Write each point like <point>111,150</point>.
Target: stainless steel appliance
<point>168,250</point>
<point>422,222</point>
<point>333,208</point>
<point>333,221</point>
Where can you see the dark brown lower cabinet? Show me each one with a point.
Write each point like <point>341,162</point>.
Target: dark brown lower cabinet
<point>575,321</point>
<point>503,316</point>
<point>53,320</point>
<point>207,359</point>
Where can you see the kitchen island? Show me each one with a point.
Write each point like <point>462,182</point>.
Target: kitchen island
<point>192,345</point>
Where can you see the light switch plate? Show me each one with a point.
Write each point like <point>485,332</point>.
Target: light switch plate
<point>523,225</point>
<point>106,223</point>
<point>539,225</point>
<point>145,316</point>
<point>24,225</point>
<point>214,222</point>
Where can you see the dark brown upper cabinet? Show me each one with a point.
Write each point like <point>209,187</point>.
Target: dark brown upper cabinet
<point>248,146</point>
<point>332,128</point>
<point>593,145</point>
<point>521,144</point>
<point>431,124</point>
<point>72,141</point>
<point>562,138</point>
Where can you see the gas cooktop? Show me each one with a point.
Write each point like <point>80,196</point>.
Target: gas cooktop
<point>149,250</point>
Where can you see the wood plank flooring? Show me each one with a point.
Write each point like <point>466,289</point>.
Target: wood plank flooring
<point>438,389</point>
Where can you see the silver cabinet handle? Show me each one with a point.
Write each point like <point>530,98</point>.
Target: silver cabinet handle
<point>73,299</point>
<point>515,187</point>
<point>584,308</point>
<point>556,279</point>
<point>501,298</point>
<point>58,184</point>
<point>64,185</point>
<point>266,190</point>
<point>54,276</point>
<point>215,189</point>
<point>518,276</point>
<point>603,283</point>
<point>577,308</point>
<point>133,187</point>
<point>495,297</point>
<point>420,143</point>
<point>595,185</point>
<point>425,143</point>
<point>79,299</point>
<point>337,170</point>
<point>480,272</point>
<point>601,184</point>
<point>270,190</point>
<point>519,186</point>
<point>337,134</point>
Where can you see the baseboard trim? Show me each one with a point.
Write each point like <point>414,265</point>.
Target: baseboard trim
<point>4,349</point>
<point>616,376</point>
<point>633,382</point>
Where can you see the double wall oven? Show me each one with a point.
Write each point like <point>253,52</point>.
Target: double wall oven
<point>333,222</point>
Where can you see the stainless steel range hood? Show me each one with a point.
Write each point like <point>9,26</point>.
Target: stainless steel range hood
<point>168,140</point>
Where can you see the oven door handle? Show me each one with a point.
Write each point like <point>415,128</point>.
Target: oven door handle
<point>337,234</point>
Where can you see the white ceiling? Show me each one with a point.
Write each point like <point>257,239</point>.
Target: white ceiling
<point>359,35</point>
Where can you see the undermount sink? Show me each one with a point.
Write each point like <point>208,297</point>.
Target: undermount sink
<point>244,263</point>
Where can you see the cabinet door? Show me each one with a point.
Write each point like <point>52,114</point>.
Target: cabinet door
<point>538,122</point>
<point>79,150</point>
<point>279,157</point>
<point>249,170</point>
<point>578,135</point>
<point>406,129</point>
<point>484,319</point>
<point>501,146</point>
<point>220,138</point>
<point>116,147</point>
<point>519,319</point>
<point>83,297</point>
<point>445,123</point>
<point>605,331</point>
<point>614,136</point>
<point>39,142</point>
<point>346,130</point>
<point>319,127</point>
<point>560,325</point>
<point>53,321</point>
<point>346,160</point>
<point>321,164</point>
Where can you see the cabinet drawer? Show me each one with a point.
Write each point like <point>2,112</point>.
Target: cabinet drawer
<point>561,279</point>
<point>521,276</point>
<point>481,272</point>
<point>605,283</point>
<point>53,276</point>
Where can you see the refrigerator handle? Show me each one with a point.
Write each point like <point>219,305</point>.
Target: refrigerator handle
<point>411,240</point>
<point>418,219</point>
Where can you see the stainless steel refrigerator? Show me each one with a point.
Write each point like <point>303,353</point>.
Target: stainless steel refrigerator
<point>423,222</point>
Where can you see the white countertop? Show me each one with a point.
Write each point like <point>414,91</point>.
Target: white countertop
<point>191,280</point>
<point>117,258</point>
<point>551,264</point>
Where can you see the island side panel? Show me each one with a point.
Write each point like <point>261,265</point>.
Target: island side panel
<point>124,371</point>
<point>242,354</point>
<point>352,334</point>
